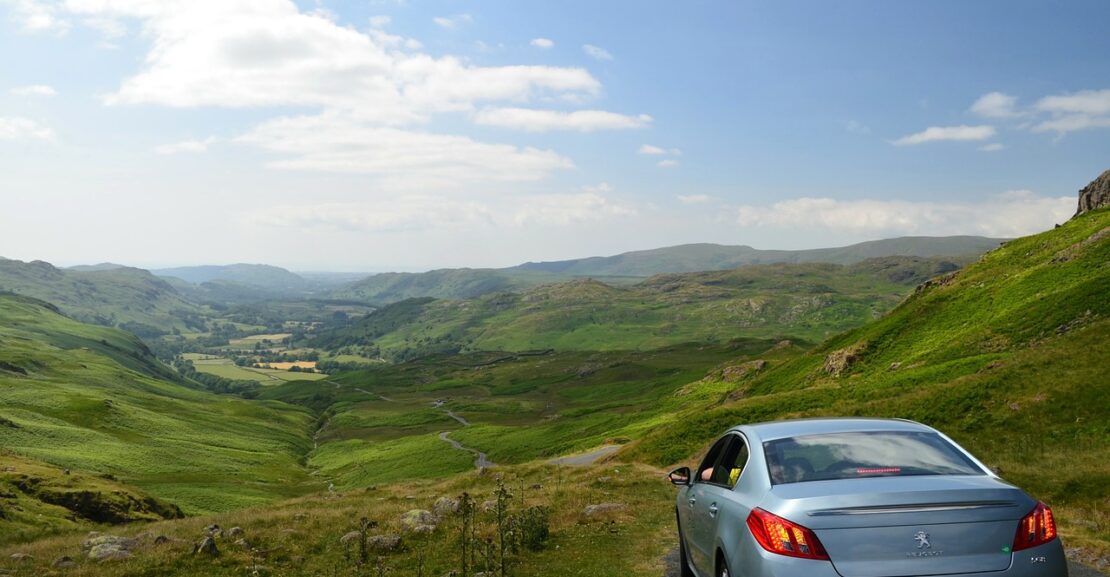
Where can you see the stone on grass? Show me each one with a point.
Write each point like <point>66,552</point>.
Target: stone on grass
<point>601,511</point>
<point>207,546</point>
<point>445,506</point>
<point>22,557</point>
<point>351,537</point>
<point>235,532</point>
<point>384,543</point>
<point>419,521</point>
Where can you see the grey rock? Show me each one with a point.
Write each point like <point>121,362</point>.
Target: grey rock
<point>235,532</point>
<point>102,540</point>
<point>63,563</point>
<point>601,510</point>
<point>445,506</point>
<point>242,544</point>
<point>1095,195</point>
<point>384,543</point>
<point>22,557</point>
<point>207,546</point>
<point>350,538</point>
<point>418,521</point>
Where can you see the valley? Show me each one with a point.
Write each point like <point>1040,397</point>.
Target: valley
<point>294,417</point>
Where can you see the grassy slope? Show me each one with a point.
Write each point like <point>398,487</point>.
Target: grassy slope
<point>460,283</point>
<point>92,399</point>
<point>1010,357</point>
<point>105,297</point>
<point>703,257</point>
<point>810,301</point>
<point>521,407</point>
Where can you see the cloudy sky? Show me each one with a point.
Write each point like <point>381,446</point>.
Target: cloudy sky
<point>393,135</point>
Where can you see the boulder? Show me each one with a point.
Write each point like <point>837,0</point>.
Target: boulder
<point>235,532</point>
<point>601,511</point>
<point>214,531</point>
<point>22,557</point>
<point>838,362</point>
<point>445,506</point>
<point>63,563</point>
<point>207,546</point>
<point>1095,195</point>
<point>242,544</point>
<point>350,538</point>
<point>418,521</point>
<point>102,540</point>
<point>384,543</point>
<point>106,553</point>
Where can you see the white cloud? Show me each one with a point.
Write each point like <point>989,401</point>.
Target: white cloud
<point>596,52</point>
<point>419,212</point>
<point>17,128</point>
<point>1089,102</point>
<point>34,90</point>
<point>270,54</point>
<point>650,149</point>
<point>995,105</point>
<point>600,187</point>
<point>534,120</point>
<point>1010,214</point>
<point>564,209</point>
<point>337,142</point>
<point>694,198</point>
<point>380,21</point>
<point>669,163</point>
<point>36,16</point>
<point>186,146</point>
<point>1081,110</point>
<point>544,43</point>
<point>942,133</point>
<point>992,147</point>
<point>452,22</point>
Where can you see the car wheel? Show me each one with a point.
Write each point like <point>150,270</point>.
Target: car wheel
<point>683,560</point>
<point>722,568</point>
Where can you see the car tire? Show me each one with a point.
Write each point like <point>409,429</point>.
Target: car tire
<point>683,560</point>
<point>722,567</point>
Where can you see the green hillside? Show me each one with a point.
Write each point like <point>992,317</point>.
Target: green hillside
<point>385,288</point>
<point>263,276</point>
<point>1010,356</point>
<point>130,298</point>
<point>703,257</point>
<point>94,400</point>
<point>809,301</point>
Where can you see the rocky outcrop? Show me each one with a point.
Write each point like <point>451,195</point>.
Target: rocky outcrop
<point>1095,195</point>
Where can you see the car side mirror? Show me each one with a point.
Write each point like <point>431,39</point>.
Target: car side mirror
<point>680,476</point>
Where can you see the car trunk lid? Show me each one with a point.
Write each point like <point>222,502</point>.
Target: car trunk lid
<point>902,526</point>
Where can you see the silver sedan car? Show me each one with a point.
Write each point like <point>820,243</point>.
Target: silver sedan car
<point>856,498</point>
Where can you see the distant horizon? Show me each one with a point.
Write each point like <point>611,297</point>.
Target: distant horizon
<point>300,271</point>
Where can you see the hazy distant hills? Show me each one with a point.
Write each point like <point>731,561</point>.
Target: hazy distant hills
<point>702,257</point>
<point>633,266</point>
<point>131,298</point>
<point>258,275</point>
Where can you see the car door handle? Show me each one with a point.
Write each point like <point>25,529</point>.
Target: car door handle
<point>692,501</point>
<point>713,510</point>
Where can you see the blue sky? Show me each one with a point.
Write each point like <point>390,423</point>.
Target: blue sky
<point>386,135</point>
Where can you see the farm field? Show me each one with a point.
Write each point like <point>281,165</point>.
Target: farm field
<point>252,340</point>
<point>224,367</point>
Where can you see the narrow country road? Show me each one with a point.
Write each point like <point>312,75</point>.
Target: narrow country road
<point>587,458</point>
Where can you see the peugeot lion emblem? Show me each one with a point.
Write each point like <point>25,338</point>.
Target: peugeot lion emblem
<point>922,540</point>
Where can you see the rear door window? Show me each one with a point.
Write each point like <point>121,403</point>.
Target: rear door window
<point>864,454</point>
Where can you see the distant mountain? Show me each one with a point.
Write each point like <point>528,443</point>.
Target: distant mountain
<point>703,257</point>
<point>96,267</point>
<point>626,268</point>
<point>130,298</point>
<point>459,283</point>
<point>809,301</point>
<point>263,276</point>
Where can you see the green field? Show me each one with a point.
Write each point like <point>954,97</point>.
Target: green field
<point>224,367</point>
<point>250,341</point>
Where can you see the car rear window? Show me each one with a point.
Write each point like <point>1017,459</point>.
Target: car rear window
<point>864,454</point>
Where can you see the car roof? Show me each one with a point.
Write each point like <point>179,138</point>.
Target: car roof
<point>798,427</point>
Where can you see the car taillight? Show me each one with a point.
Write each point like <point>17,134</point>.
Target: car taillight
<point>1037,528</point>
<point>778,535</point>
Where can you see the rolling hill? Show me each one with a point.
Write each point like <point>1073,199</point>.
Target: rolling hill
<point>255,275</point>
<point>130,298</point>
<point>626,268</point>
<point>807,301</point>
<point>94,400</point>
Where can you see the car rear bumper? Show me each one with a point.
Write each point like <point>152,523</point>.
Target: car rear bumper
<point>1044,561</point>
